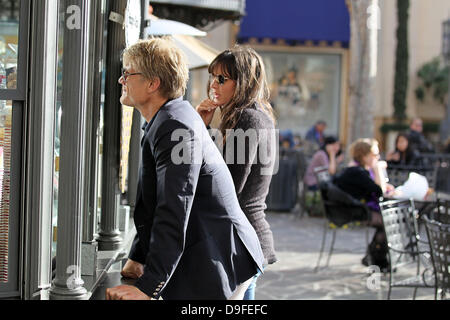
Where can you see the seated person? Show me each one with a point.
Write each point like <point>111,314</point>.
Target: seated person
<point>286,139</point>
<point>404,153</point>
<point>416,137</point>
<point>329,155</point>
<point>315,133</point>
<point>365,181</point>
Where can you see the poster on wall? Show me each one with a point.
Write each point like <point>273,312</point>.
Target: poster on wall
<point>305,87</point>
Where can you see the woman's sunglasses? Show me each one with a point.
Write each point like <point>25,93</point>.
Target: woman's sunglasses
<point>220,79</point>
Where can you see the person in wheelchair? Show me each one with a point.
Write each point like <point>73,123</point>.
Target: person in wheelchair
<point>364,180</point>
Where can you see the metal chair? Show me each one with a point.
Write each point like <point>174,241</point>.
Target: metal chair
<point>310,200</point>
<point>442,187</point>
<point>441,211</point>
<point>322,174</point>
<point>398,174</point>
<point>341,211</point>
<point>400,224</point>
<point>438,232</point>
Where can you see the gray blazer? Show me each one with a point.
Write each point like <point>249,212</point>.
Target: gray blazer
<point>192,236</point>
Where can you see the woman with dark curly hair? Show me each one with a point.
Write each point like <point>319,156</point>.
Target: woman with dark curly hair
<point>404,153</point>
<point>238,87</point>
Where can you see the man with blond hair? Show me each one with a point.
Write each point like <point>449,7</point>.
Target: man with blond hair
<point>193,240</point>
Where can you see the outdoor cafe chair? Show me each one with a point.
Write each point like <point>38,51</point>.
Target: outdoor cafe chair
<point>439,239</point>
<point>434,159</point>
<point>405,247</point>
<point>341,211</point>
<point>398,174</point>
<point>442,186</point>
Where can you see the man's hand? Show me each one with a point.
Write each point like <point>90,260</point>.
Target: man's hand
<point>132,269</point>
<point>125,292</point>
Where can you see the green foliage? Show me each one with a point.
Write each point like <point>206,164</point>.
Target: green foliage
<point>386,127</point>
<point>401,61</point>
<point>434,80</point>
<point>427,127</point>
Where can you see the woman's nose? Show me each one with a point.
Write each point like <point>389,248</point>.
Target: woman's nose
<point>213,84</point>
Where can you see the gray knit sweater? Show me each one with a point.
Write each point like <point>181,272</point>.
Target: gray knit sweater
<point>252,174</point>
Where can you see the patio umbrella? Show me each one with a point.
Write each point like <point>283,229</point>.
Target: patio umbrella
<point>161,27</point>
<point>199,54</point>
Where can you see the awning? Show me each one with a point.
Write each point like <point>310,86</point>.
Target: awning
<point>159,27</point>
<point>296,21</point>
<point>199,54</point>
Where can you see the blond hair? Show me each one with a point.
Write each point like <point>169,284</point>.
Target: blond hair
<point>160,58</point>
<point>361,148</point>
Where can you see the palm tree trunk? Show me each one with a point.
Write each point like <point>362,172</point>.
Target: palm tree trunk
<point>364,24</point>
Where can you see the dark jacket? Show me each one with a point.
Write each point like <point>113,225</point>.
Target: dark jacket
<point>314,136</point>
<point>410,157</point>
<point>357,182</point>
<point>192,236</point>
<point>418,141</point>
<point>340,206</point>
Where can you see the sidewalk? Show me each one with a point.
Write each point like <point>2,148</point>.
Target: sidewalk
<point>298,241</point>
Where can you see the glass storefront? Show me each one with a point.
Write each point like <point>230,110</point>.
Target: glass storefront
<point>98,132</point>
<point>29,222</point>
<point>9,36</point>
<point>5,185</point>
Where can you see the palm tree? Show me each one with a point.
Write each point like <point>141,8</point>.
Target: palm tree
<point>401,61</point>
<point>364,25</point>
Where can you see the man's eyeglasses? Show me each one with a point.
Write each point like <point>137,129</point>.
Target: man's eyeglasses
<point>125,74</point>
<point>220,79</point>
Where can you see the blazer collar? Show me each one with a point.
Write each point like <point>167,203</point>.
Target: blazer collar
<point>147,125</point>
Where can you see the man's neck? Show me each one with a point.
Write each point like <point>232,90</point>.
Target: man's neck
<point>151,108</point>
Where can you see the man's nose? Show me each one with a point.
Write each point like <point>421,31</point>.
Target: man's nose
<point>121,80</point>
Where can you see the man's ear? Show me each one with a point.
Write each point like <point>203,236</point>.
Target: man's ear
<point>154,85</point>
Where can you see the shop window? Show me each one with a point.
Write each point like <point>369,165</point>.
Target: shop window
<point>9,35</point>
<point>5,185</point>
<point>305,87</point>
